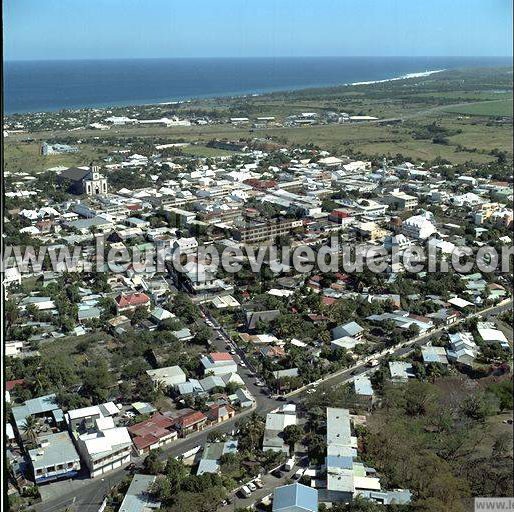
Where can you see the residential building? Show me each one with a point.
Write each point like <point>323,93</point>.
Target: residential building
<point>462,349</point>
<point>369,230</point>
<point>276,422</point>
<point>401,371</point>
<point>218,363</point>
<point>138,497</point>
<point>131,301</point>
<point>191,421</point>
<point>433,354</point>
<point>351,329</point>
<point>362,386</point>
<point>491,335</point>
<point>295,498</point>
<point>152,433</point>
<point>41,407</point>
<point>399,200</point>
<point>168,376</point>
<point>212,453</point>
<point>55,457</point>
<point>104,449</point>
<point>219,413</point>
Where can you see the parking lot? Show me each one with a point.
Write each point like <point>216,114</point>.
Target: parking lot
<point>269,482</point>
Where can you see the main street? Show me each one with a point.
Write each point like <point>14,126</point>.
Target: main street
<point>86,495</point>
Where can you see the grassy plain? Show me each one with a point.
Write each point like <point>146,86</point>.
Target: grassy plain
<point>27,157</point>
<point>487,108</point>
<point>443,98</point>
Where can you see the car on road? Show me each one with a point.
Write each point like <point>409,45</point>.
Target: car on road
<point>232,351</point>
<point>243,364</point>
<point>310,391</point>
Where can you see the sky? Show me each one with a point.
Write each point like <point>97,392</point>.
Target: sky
<point>101,29</point>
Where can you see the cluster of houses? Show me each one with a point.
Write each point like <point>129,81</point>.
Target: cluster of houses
<point>341,478</point>
<point>99,438</point>
<point>297,196</point>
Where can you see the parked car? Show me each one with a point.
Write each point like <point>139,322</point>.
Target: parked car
<point>258,483</point>
<point>245,491</point>
<point>251,486</point>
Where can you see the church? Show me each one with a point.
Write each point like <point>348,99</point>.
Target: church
<point>84,180</point>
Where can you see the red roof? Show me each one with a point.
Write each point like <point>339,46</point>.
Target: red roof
<point>214,411</point>
<point>132,299</point>
<point>340,214</point>
<point>328,301</point>
<point>11,384</point>
<point>260,184</point>
<point>190,419</point>
<point>220,356</point>
<point>148,432</point>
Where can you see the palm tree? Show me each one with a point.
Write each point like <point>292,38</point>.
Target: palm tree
<point>31,428</point>
<point>252,431</point>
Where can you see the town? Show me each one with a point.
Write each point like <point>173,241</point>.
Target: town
<point>137,386</point>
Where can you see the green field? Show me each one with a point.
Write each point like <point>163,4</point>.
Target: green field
<point>496,108</point>
<point>204,151</point>
<point>23,156</point>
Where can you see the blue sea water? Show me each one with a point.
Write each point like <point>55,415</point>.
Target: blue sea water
<point>39,86</point>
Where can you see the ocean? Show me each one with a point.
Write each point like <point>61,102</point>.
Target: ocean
<point>40,86</point>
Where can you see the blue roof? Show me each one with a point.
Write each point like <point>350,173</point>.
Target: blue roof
<point>34,406</point>
<point>295,498</point>
<point>363,386</point>
<point>349,329</point>
<point>137,498</point>
<point>334,461</point>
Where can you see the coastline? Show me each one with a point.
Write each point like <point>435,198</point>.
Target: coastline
<point>230,95</point>
<point>403,77</point>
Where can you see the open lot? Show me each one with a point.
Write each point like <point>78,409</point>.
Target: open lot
<point>487,108</point>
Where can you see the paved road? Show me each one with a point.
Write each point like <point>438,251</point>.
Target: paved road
<point>88,494</point>
<point>400,350</point>
<point>222,340</point>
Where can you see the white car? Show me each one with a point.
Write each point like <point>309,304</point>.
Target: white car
<point>252,486</point>
<point>242,364</point>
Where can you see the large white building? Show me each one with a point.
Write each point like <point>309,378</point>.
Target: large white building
<point>103,446</point>
<point>418,227</point>
<point>105,450</point>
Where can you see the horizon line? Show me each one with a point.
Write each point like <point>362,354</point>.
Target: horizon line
<point>265,57</point>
